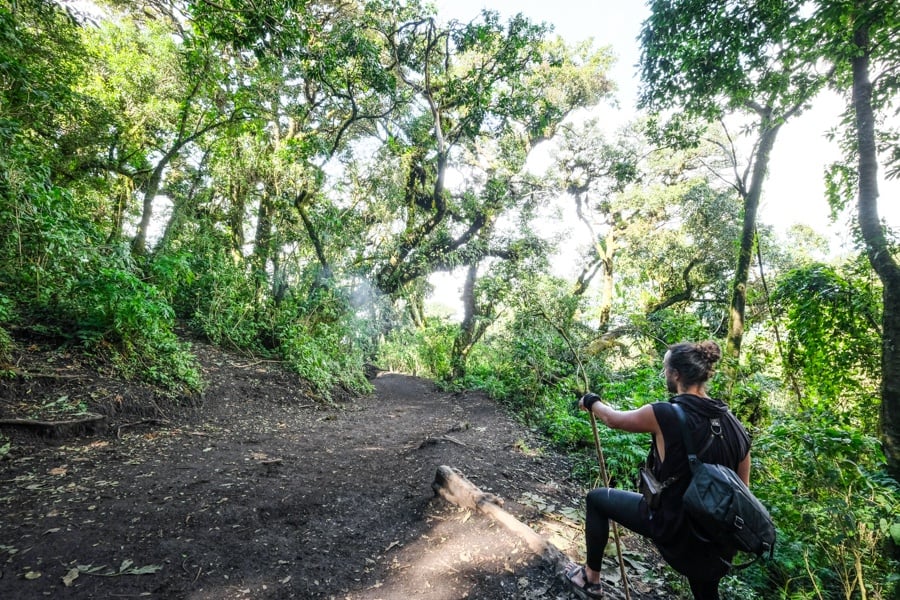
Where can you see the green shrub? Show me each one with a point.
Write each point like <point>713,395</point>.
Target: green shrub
<point>175,275</point>
<point>113,311</point>
<point>222,305</point>
<point>63,277</point>
<point>319,340</point>
<point>6,342</point>
<point>308,354</point>
<point>833,341</point>
<point>836,510</point>
<point>421,352</point>
<point>532,370</point>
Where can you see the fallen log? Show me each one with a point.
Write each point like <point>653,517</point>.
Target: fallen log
<point>453,487</point>
<point>86,425</point>
<point>45,375</point>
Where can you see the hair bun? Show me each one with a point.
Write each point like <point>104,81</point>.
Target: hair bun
<point>710,351</point>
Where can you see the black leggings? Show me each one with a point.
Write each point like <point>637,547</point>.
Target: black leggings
<point>623,507</point>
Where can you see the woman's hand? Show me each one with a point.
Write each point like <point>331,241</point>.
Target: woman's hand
<point>588,400</point>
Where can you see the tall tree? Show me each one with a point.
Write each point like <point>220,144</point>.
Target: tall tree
<point>164,95</point>
<point>861,38</point>
<point>46,124</point>
<point>323,86</point>
<point>478,96</point>
<point>484,90</point>
<point>595,173</point>
<point>712,58</point>
<point>42,58</point>
<point>656,227</point>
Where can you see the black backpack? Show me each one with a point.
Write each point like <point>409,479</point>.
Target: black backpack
<point>722,509</point>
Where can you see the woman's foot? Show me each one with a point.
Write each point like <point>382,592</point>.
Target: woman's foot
<point>580,580</point>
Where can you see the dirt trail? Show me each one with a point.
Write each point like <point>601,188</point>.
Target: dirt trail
<point>260,492</point>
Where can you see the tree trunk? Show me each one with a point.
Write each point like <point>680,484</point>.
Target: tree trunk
<point>84,425</point>
<point>453,487</point>
<point>415,308</point>
<point>587,274</point>
<point>318,246</point>
<point>123,193</point>
<point>878,251</point>
<point>262,243</point>
<point>768,133</point>
<point>465,339</point>
<point>150,189</point>
<point>608,283</point>
<point>182,209</point>
<point>279,279</point>
<point>237,193</point>
<point>174,226</point>
<point>139,242</point>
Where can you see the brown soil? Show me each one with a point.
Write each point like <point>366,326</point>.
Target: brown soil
<point>259,491</point>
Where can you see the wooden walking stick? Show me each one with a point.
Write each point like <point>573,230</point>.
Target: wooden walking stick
<point>615,526</point>
<point>600,460</point>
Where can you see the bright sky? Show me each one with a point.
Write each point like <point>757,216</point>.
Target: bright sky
<point>794,190</point>
<point>613,23</point>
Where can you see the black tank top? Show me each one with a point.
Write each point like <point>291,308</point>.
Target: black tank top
<point>717,435</point>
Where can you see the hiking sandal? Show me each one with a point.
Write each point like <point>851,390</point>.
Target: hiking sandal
<point>586,589</point>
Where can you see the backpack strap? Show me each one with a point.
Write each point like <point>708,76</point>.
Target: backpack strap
<point>715,426</point>
<point>686,437</point>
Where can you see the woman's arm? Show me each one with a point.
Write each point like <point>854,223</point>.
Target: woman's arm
<point>743,470</point>
<point>639,420</point>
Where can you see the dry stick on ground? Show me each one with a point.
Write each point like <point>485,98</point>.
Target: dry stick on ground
<point>453,487</point>
<point>141,422</point>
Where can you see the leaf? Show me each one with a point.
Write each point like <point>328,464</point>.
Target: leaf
<point>70,577</point>
<point>570,513</point>
<point>147,570</point>
<point>895,533</point>
<point>126,568</point>
<point>533,500</point>
<point>90,569</point>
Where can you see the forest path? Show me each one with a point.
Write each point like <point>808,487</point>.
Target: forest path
<point>259,492</point>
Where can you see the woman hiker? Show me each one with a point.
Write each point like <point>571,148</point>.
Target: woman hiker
<point>687,368</point>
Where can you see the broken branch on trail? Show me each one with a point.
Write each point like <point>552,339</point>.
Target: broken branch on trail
<point>453,487</point>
